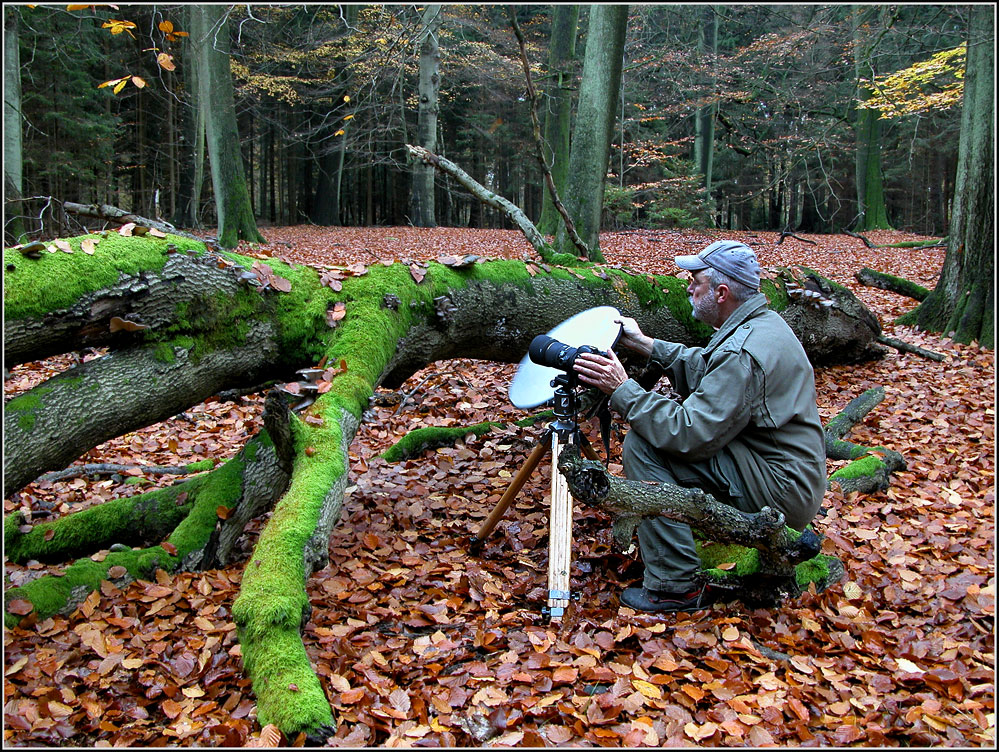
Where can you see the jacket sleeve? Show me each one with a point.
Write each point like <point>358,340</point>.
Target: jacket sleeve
<point>707,420</point>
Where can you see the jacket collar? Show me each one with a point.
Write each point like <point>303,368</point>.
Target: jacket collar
<point>751,307</point>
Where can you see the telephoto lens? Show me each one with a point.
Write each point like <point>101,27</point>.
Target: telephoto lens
<point>548,351</point>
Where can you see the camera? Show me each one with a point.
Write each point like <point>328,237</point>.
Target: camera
<point>548,351</point>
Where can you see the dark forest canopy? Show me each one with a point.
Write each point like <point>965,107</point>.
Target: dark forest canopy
<point>326,98</point>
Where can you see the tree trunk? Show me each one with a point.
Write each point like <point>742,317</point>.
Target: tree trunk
<point>962,305</point>
<point>210,32</point>
<point>871,211</point>
<point>882,281</point>
<point>422,207</point>
<point>189,323</point>
<point>704,118</point>
<point>12,177</point>
<point>595,115</point>
<point>558,108</point>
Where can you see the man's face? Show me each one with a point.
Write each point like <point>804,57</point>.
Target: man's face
<point>703,299</point>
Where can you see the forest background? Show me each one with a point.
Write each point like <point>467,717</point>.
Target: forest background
<point>737,116</point>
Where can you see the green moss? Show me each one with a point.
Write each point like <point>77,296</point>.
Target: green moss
<point>816,569</point>
<point>200,467</point>
<point>416,442</point>
<point>869,464</point>
<point>191,517</point>
<point>27,405</point>
<point>777,297</point>
<point>746,560</point>
<point>33,287</point>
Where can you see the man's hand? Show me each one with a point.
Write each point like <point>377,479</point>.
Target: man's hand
<point>632,337</point>
<point>606,374</point>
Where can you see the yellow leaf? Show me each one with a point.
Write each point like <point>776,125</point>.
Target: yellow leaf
<point>339,132</point>
<point>348,117</point>
<point>131,663</point>
<point>138,82</point>
<point>165,26</point>
<point>648,689</point>
<point>346,98</point>
<point>112,82</point>
<point>120,85</point>
<point>76,7</point>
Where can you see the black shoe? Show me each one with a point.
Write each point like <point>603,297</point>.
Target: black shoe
<point>641,599</point>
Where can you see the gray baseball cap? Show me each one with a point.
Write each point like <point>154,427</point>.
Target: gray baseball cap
<point>730,257</point>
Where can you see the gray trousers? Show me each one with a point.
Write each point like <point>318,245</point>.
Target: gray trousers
<point>667,546</point>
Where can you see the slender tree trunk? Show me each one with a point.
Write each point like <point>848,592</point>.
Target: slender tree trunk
<point>704,119</point>
<point>232,200</point>
<point>962,305</point>
<point>422,195</point>
<point>12,152</point>
<point>593,132</point>
<point>558,108</point>
<point>871,211</point>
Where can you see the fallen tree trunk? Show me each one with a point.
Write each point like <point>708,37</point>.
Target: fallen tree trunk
<point>891,283</point>
<point>201,322</point>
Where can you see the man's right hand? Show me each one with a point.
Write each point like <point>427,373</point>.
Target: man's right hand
<point>632,337</point>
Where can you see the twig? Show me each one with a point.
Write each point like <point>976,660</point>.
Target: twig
<point>789,234</point>
<point>867,242</point>
<point>105,468</point>
<point>407,395</point>
<point>914,349</point>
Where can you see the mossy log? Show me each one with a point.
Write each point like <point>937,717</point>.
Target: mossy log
<point>891,283</point>
<point>767,575</point>
<point>870,468</point>
<point>183,322</point>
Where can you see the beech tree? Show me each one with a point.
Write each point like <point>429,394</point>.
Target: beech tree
<point>422,193</point>
<point>963,302</point>
<point>210,31</point>
<point>183,322</point>
<point>592,134</point>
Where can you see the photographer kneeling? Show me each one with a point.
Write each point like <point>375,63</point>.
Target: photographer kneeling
<point>747,430</point>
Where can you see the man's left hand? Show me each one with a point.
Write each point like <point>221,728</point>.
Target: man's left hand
<point>606,374</point>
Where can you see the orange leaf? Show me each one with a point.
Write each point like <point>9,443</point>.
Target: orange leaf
<point>222,512</point>
<point>169,548</point>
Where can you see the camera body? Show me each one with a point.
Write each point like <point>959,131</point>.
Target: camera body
<point>548,351</point>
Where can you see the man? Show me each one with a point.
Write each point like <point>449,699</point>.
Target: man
<point>747,430</point>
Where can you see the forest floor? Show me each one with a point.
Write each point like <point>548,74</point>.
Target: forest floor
<point>420,643</point>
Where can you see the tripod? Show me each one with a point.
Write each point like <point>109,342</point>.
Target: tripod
<point>562,431</point>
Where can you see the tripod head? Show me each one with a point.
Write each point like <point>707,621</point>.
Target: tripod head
<point>565,403</point>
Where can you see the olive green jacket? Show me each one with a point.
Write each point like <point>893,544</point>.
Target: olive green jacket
<point>749,398</point>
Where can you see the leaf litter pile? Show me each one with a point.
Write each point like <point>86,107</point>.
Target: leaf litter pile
<point>420,642</point>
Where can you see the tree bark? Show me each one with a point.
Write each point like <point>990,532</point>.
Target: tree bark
<point>422,205</point>
<point>12,154</point>
<point>595,116</point>
<point>209,323</point>
<point>551,190</point>
<point>558,109</point>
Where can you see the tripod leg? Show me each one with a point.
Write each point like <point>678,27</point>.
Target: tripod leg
<point>532,461</point>
<point>588,451</point>
<point>559,538</point>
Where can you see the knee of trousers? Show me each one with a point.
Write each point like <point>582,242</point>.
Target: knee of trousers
<point>642,461</point>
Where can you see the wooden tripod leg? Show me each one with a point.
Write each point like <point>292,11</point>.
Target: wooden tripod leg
<point>559,538</point>
<point>588,451</point>
<point>532,461</point>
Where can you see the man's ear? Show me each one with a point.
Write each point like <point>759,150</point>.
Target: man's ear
<point>723,292</point>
